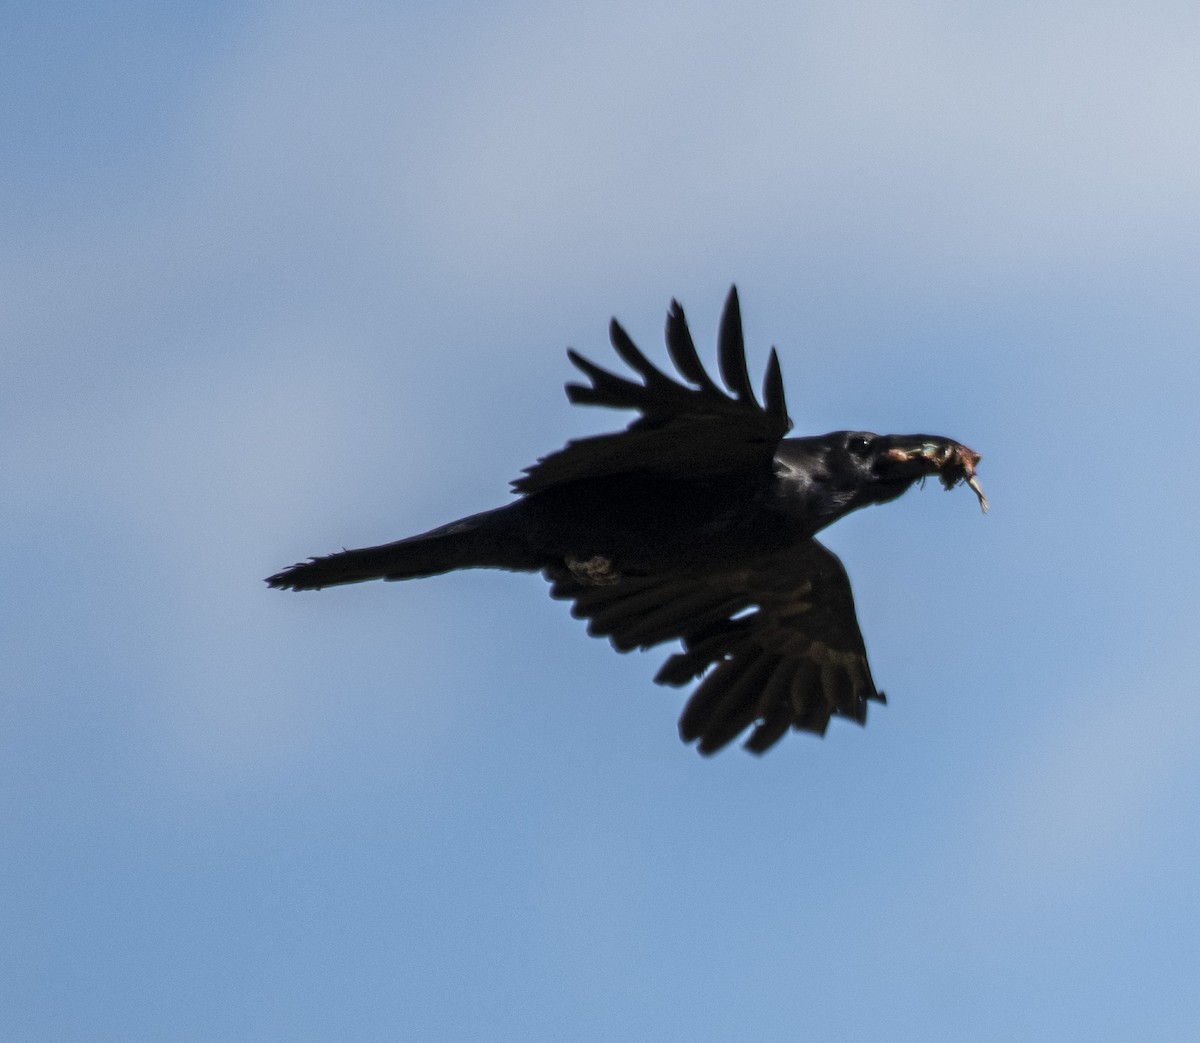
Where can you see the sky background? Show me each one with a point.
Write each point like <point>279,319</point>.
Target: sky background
<point>280,278</point>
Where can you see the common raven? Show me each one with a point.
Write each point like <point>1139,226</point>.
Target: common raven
<point>696,524</point>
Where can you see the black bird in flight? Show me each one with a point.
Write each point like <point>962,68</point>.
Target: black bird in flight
<point>695,524</point>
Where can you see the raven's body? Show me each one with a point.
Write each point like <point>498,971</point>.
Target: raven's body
<point>696,523</point>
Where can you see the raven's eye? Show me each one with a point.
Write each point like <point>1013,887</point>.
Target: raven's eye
<point>860,445</point>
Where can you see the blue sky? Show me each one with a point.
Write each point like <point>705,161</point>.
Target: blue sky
<point>279,278</point>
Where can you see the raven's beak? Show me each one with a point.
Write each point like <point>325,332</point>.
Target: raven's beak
<point>951,461</point>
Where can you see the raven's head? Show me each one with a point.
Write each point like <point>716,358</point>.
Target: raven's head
<point>840,472</point>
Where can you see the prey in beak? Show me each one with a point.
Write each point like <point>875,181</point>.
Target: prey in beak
<point>950,461</point>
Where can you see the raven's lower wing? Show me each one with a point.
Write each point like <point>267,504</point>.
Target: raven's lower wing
<point>779,640</point>
<point>683,431</point>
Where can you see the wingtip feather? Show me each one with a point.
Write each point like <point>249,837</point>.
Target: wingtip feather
<point>731,350</point>
<point>773,393</point>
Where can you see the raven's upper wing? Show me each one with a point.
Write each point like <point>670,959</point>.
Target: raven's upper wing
<point>780,636</point>
<point>682,430</point>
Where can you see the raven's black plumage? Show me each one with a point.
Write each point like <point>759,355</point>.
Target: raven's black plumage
<point>695,524</point>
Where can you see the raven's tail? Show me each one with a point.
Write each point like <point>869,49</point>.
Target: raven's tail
<point>485,540</point>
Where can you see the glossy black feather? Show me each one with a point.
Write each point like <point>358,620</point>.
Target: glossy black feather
<point>695,524</point>
<point>682,350</point>
<point>731,351</point>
